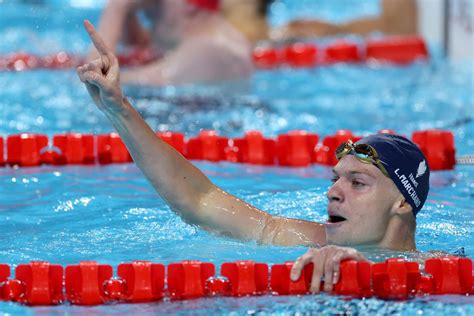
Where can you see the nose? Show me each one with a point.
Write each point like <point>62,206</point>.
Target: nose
<point>335,192</point>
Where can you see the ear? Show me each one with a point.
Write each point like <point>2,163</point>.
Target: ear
<point>401,206</point>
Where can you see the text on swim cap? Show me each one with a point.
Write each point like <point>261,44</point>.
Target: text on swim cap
<point>409,187</point>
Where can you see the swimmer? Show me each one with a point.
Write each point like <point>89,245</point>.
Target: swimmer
<point>197,43</point>
<point>379,185</point>
<point>398,17</point>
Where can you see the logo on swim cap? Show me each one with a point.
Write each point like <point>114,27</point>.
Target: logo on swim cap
<point>421,169</point>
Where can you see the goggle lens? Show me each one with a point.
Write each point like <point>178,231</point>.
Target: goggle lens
<point>363,152</point>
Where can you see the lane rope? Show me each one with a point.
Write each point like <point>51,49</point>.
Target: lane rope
<point>91,283</point>
<point>395,50</point>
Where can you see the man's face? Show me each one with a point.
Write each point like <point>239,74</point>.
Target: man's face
<point>360,203</point>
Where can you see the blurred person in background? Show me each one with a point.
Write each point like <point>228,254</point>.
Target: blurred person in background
<point>196,42</point>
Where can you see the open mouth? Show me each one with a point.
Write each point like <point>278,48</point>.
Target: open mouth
<point>335,219</point>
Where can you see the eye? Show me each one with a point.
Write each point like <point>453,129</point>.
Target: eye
<point>357,183</point>
<point>334,179</point>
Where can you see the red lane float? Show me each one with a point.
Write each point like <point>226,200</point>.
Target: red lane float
<point>90,283</point>
<point>451,275</point>
<point>111,149</point>
<point>395,278</point>
<point>218,286</point>
<point>301,55</point>
<point>207,146</point>
<point>265,57</point>
<point>399,50</point>
<point>295,149</point>
<point>175,140</point>
<point>2,157</point>
<point>187,279</point>
<point>42,283</point>
<point>253,148</point>
<point>85,283</point>
<point>115,289</point>
<point>342,51</point>
<point>75,149</point>
<point>4,275</point>
<point>61,60</point>
<point>13,290</point>
<point>354,279</point>
<point>24,150</point>
<point>145,281</point>
<point>246,277</point>
<point>438,147</point>
<point>23,61</point>
<point>281,283</point>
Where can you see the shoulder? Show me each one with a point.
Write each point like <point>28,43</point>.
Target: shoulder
<point>218,46</point>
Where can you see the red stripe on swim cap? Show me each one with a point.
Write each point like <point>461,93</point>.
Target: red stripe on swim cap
<point>211,5</point>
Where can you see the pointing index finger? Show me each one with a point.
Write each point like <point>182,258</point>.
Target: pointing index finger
<point>96,39</point>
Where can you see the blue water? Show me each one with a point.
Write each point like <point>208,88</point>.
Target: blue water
<point>112,215</point>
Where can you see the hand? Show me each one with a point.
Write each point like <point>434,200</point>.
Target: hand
<point>326,262</point>
<point>101,76</point>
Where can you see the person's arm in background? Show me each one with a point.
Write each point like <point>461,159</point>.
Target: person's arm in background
<point>184,187</point>
<point>398,17</point>
<point>119,22</point>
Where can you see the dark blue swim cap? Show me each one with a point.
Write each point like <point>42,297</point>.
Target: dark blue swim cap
<point>405,164</point>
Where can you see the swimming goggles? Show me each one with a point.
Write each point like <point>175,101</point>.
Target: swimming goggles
<point>363,152</point>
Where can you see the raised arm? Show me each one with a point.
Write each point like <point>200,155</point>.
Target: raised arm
<point>184,187</point>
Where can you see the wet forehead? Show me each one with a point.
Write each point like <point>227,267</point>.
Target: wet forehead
<point>350,165</point>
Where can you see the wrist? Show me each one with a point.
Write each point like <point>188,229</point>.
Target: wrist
<point>116,107</point>
<point>119,117</point>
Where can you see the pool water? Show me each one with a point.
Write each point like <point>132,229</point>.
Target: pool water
<point>111,214</point>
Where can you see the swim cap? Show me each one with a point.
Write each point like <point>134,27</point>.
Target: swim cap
<point>405,164</point>
<point>210,5</point>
